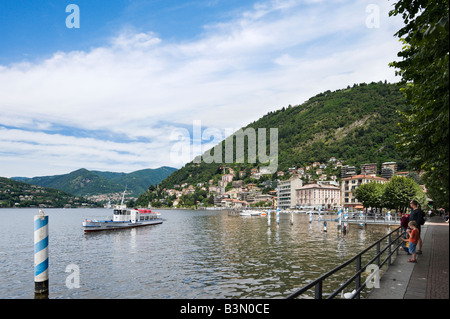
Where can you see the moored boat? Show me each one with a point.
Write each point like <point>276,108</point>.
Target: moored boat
<point>247,212</point>
<point>123,218</point>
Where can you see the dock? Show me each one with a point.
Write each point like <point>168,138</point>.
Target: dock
<point>373,220</point>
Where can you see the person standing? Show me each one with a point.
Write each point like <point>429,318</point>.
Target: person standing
<point>414,236</point>
<point>404,224</point>
<point>418,216</point>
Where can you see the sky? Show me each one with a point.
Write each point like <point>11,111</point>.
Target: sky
<point>128,87</point>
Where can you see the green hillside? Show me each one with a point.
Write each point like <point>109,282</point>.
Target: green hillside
<point>83,182</point>
<point>356,125</point>
<point>18,194</point>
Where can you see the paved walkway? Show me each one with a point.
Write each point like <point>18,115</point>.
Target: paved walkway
<point>426,279</point>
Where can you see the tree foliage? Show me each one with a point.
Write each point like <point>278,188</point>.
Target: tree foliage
<point>370,194</point>
<point>399,191</point>
<point>395,194</point>
<point>425,71</point>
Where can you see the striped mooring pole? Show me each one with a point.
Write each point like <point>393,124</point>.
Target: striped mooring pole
<point>41,254</point>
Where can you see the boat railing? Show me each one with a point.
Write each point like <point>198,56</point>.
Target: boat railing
<point>99,218</point>
<point>393,244</point>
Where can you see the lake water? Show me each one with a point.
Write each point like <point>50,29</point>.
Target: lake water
<point>193,254</point>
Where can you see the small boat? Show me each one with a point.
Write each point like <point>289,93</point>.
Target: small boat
<point>250,213</point>
<point>123,218</point>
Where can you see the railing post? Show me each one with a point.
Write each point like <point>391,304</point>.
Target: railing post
<point>318,290</point>
<point>358,278</point>
<point>398,239</point>
<point>389,249</point>
<point>378,253</point>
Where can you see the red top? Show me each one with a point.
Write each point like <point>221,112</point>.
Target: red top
<point>414,236</point>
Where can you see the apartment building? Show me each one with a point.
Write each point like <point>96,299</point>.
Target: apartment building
<point>348,171</point>
<point>388,169</point>
<point>350,184</point>
<point>369,168</point>
<point>287,194</point>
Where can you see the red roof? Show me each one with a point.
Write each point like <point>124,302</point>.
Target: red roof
<point>366,176</point>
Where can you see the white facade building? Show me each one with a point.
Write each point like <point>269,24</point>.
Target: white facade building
<point>287,195</point>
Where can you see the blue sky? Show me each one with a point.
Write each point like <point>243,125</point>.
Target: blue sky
<point>36,29</point>
<point>114,93</point>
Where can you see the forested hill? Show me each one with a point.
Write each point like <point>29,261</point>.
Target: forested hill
<point>83,182</point>
<point>18,194</point>
<point>356,125</point>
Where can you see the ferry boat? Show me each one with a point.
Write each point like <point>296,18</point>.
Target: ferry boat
<point>124,218</point>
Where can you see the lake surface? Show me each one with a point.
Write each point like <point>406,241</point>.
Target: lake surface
<point>193,254</point>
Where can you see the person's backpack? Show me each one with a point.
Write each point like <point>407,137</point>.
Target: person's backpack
<point>421,217</point>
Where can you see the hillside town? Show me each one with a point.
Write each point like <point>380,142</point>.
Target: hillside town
<point>328,186</point>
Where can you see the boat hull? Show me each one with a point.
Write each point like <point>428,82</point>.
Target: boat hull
<point>94,226</point>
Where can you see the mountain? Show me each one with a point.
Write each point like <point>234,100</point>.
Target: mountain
<point>83,182</point>
<point>356,125</point>
<point>18,194</point>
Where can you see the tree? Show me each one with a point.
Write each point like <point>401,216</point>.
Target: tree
<point>370,194</point>
<point>425,71</point>
<point>399,191</point>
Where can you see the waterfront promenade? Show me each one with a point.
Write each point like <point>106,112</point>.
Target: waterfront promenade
<point>426,279</point>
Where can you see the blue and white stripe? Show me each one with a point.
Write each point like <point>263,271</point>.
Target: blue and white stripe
<point>339,218</point>
<point>278,216</point>
<point>40,248</point>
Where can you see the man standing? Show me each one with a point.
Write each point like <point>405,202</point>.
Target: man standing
<point>418,216</point>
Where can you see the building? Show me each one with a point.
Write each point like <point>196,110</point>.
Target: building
<point>348,171</point>
<point>404,174</point>
<point>350,184</point>
<point>369,168</point>
<point>227,178</point>
<point>287,195</point>
<point>388,169</point>
<point>318,195</point>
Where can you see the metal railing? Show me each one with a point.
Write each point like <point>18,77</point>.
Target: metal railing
<point>391,248</point>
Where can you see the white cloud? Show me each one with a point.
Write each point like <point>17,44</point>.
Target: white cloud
<point>279,53</point>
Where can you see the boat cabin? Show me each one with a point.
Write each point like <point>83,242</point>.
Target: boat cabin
<point>122,215</point>
<point>133,215</point>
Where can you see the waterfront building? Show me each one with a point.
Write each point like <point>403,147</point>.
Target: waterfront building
<point>350,184</point>
<point>318,195</point>
<point>287,195</point>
